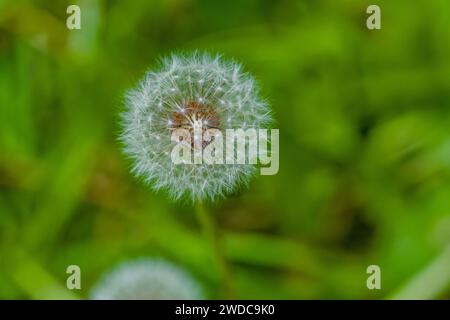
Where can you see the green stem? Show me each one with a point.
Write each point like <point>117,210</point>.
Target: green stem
<point>212,235</point>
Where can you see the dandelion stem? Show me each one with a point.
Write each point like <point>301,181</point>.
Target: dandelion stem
<point>212,234</point>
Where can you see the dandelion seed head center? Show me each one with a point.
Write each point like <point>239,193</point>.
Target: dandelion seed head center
<point>195,117</point>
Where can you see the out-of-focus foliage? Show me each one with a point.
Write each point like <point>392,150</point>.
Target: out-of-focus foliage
<point>364,120</point>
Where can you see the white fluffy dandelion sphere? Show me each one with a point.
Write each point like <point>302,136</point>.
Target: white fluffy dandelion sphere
<point>147,279</point>
<point>188,90</point>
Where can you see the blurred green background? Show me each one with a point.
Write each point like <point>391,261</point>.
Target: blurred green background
<point>364,120</point>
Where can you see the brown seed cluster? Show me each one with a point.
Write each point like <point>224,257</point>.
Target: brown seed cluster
<point>194,114</point>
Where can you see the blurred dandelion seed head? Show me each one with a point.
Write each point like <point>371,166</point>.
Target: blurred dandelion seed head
<point>190,91</point>
<point>147,279</point>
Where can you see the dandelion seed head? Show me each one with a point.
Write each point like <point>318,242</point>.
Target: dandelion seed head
<point>190,91</point>
<point>146,279</point>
